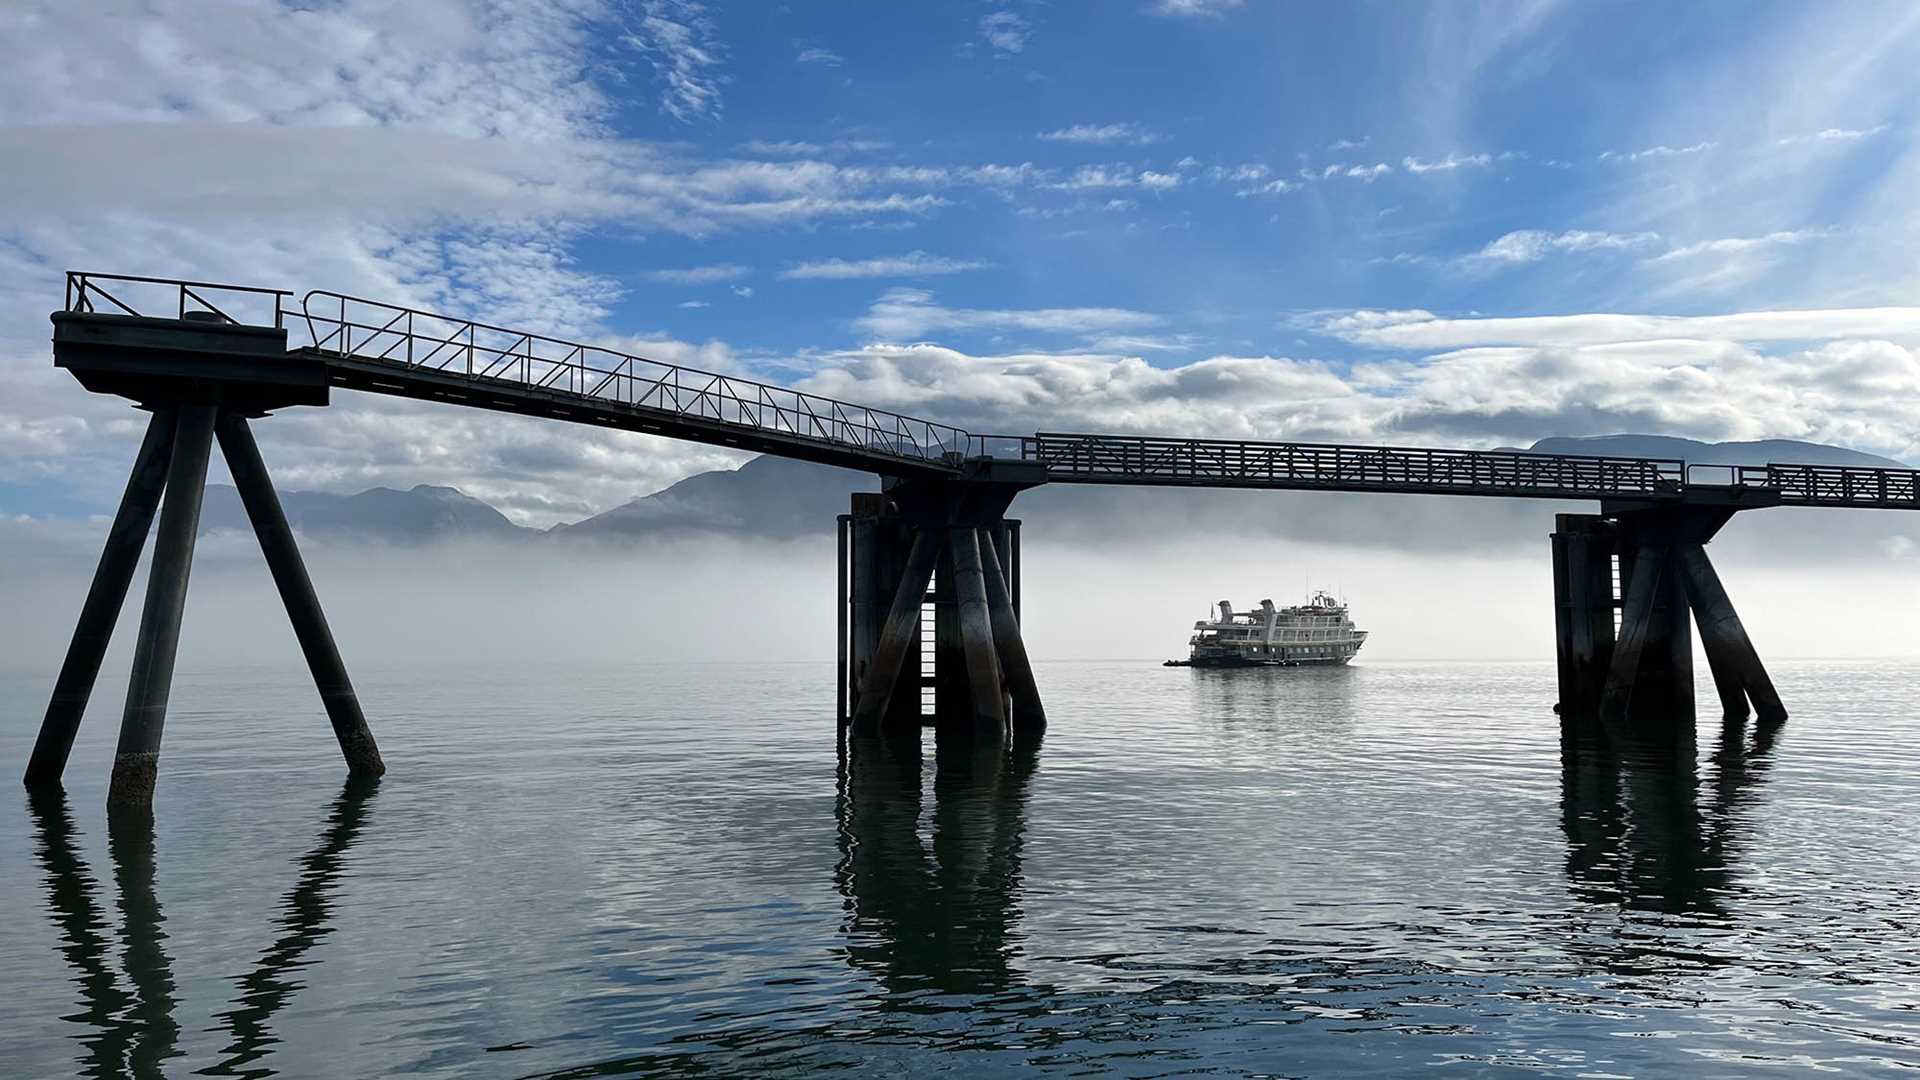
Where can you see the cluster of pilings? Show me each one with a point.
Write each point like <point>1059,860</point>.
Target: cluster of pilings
<point>196,376</point>
<point>929,613</point>
<point>202,377</point>
<point>1623,585</point>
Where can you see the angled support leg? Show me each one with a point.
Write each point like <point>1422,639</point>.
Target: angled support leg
<point>136,762</point>
<point>296,592</point>
<point>988,692</point>
<point>108,593</point>
<point>1636,617</point>
<point>896,634</point>
<point>1028,713</point>
<point>1729,650</point>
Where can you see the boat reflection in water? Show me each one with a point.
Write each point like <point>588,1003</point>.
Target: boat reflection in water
<point>136,1034</point>
<point>935,910</point>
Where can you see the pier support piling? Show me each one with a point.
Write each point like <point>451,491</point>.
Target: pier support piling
<point>170,474</point>
<point>1644,673</point>
<point>898,635</point>
<point>1728,648</point>
<point>1027,712</point>
<point>1636,628</point>
<point>119,557</point>
<point>136,761</point>
<point>930,593</point>
<point>988,692</point>
<point>296,592</point>
<point>1583,554</point>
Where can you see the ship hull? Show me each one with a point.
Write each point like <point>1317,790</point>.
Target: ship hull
<point>1234,662</point>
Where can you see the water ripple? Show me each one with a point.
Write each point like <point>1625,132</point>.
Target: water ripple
<point>1385,869</point>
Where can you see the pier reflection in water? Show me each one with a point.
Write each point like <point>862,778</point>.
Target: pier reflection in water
<point>1639,832</point>
<point>135,1033</point>
<point>936,909</point>
<point>1372,870</point>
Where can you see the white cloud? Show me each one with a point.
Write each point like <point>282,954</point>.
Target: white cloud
<point>1270,187</point>
<point>1446,164</point>
<point>912,264</point>
<point>680,41</point>
<point>1005,31</point>
<point>1532,245</point>
<point>1100,133</point>
<point>781,147</point>
<point>322,65</point>
<point>693,304</point>
<point>744,292</point>
<point>1240,174</point>
<point>912,313</point>
<point>699,275</point>
<point>1848,393</point>
<point>815,55</point>
<point>1661,151</point>
<point>1195,8</point>
<point>1349,144</point>
<point>1728,263</point>
<point>204,172</point>
<point>1154,181</point>
<point>1424,330</point>
<point>1095,176</point>
<point>1735,245</point>
<point>1834,135</point>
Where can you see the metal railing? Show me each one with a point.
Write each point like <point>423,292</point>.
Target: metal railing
<point>348,326</point>
<point>171,298</point>
<point>1834,485</point>
<point>398,337</point>
<point>1148,460</point>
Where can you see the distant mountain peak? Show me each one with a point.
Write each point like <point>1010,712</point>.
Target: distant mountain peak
<point>422,514</point>
<point>1696,452</point>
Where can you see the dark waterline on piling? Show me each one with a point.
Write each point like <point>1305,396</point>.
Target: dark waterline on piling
<point>646,870</point>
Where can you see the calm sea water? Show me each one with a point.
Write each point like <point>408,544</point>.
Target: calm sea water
<point>591,871</point>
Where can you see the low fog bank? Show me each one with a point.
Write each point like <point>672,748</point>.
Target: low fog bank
<point>717,598</point>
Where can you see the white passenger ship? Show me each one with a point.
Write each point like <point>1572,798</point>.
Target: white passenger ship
<point>1317,632</point>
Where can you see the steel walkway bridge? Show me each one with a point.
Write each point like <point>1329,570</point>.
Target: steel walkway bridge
<point>207,358</point>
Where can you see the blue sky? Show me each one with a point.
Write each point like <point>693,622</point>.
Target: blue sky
<point>1440,224</point>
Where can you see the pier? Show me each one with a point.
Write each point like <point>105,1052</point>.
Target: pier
<point>929,611</point>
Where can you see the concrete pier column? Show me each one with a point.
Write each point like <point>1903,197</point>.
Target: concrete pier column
<point>296,592</point>
<point>136,762</point>
<point>1583,609</point>
<point>126,538</point>
<point>1563,627</point>
<point>879,542</point>
<point>1007,546</point>
<point>866,607</point>
<point>1027,714</point>
<point>895,537</point>
<point>843,601</point>
<point>897,635</point>
<point>1663,691</point>
<point>1015,564</point>
<point>1636,626</point>
<point>988,696</point>
<point>1736,663</point>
